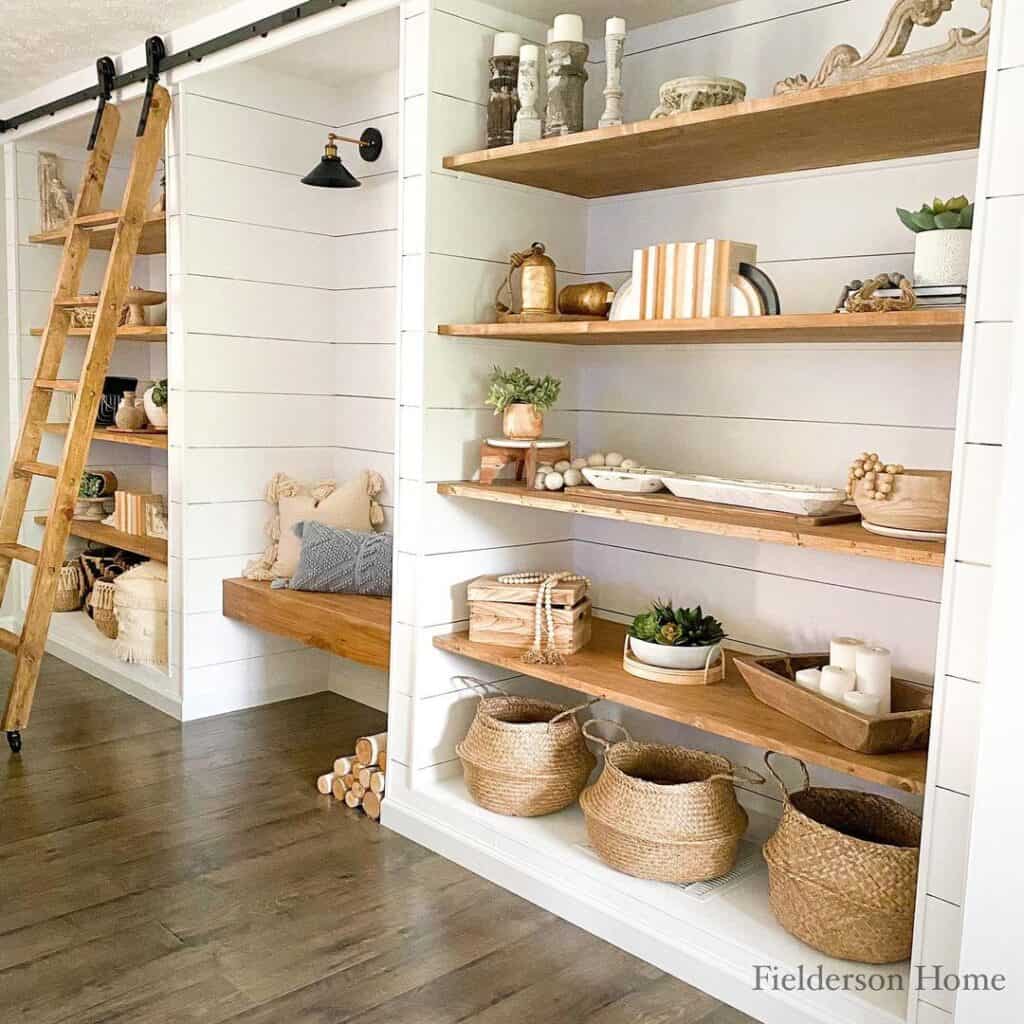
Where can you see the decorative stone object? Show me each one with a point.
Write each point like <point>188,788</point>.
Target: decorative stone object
<point>614,50</point>
<point>503,103</point>
<point>845,64</point>
<point>529,126</point>
<point>55,200</point>
<point>698,92</point>
<point>567,75</point>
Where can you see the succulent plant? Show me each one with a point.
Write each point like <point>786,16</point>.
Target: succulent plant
<point>953,214</point>
<point>160,394</point>
<point>677,627</point>
<point>516,386</point>
<point>91,486</point>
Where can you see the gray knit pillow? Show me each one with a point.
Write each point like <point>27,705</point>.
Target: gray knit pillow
<point>343,561</point>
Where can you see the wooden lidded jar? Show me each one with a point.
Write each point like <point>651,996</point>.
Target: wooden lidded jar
<point>538,282</point>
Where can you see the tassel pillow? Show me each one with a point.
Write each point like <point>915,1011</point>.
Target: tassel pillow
<point>140,605</point>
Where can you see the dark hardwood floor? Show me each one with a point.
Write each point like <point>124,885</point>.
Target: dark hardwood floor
<point>154,873</point>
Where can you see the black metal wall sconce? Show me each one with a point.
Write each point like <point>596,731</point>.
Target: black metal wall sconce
<point>331,172</point>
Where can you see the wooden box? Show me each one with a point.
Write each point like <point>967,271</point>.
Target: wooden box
<point>503,614</point>
<point>772,681</point>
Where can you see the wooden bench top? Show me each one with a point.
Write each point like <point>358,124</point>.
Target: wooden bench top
<point>354,627</point>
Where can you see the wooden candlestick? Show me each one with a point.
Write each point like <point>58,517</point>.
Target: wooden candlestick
<point>567,76</point>
<point>614,50</point>
<point>503,103</point>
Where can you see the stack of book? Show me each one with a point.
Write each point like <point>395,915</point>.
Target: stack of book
<point>130,511</point>
<point>933,296</point>
<point>682,280</point>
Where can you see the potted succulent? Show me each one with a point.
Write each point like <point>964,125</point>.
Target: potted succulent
<point>155,403</point>
<point>942,249</point>
<point>522,401</point>
<point>680,638</point>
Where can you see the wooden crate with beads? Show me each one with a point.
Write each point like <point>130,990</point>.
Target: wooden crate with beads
<point>504,614</point>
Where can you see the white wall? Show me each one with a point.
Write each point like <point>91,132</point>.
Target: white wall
<point>286,354</point>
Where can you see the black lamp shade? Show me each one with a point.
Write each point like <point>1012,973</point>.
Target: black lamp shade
<point>331,173</point>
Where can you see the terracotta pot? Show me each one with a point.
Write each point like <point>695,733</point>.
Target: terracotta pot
<point>521,422</point>
<point>919,501</point>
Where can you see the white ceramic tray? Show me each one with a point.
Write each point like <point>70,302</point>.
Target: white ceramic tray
<point>797,499</point>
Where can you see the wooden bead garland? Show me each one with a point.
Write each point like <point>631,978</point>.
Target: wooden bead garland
<point>879,477</point>
<point>543,615</point>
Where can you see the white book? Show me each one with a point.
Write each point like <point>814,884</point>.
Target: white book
<point>651,290</point>
<point>671,273</point>
<point>639,281</point>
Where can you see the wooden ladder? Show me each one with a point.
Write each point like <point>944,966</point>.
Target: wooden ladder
<point>88,389</point>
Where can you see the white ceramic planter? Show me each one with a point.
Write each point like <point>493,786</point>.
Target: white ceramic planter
<point>156,414</point>
<point>942,257</point>
<point>672,657</point>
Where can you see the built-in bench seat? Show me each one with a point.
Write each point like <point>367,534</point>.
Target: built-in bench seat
<point>354,627</point>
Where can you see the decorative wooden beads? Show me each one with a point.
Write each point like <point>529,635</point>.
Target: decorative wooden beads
<point>879,477</point>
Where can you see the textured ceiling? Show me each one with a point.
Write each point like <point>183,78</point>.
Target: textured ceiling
<point>46,39</point>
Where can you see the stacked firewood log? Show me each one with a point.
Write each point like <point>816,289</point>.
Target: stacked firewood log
<point>359,778</point>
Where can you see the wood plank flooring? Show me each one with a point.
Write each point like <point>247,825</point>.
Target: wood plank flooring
<point>154,873</point>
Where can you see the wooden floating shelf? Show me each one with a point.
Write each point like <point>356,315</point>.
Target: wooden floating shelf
<point>151,547</point>
<point>156,334</point>
<point>843,538</point>
<point>144,438</point>
<point>932,325</point>
<point>881,118</point>
<point>153,240</point>
<point>726,709</point>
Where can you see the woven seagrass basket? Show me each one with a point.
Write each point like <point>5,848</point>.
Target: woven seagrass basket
<point>842,871</point>
<point>524,757</point>
<point>70,588</point>
<point>665,812</point>
<point>101,601</point>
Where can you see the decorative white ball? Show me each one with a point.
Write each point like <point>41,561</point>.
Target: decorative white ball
<point>597,459</point>
<point>573,477</point>
<point>614,459</point>
<point>627,464</point>
<point>545,468</point>
<point>562,465</point>
<point>554,481</point>
<point>538,481</point>
<point>579,463</point>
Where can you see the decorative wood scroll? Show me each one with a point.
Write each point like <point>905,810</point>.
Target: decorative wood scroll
<point>845,64</point>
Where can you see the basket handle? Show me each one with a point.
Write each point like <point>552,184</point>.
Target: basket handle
<point>600,740</point>
<point>777,777</point>
<point>572,711</point>
<point>481,686</point>
<point>741,774</point>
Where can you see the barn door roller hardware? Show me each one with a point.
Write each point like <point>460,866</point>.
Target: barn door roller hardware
<point>105,75</point>
<point>155,53</point>
<point>168,62</point>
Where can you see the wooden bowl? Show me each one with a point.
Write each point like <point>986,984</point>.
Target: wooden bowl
<point>919,501</point>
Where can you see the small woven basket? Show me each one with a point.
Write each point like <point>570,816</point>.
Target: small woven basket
<point>665,812</point>
<point>101,601</point>
<point>524,757</point>
<point>842,871</point>
<point>70,588</point>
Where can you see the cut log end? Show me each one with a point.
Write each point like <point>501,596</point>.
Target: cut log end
<point>371,805</point>
<point>339,787</point>
<point>351,800</point>
<point>370,748</point>
<point>323,784</point>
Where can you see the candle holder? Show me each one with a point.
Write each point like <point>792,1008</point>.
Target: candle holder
<point>528,127</point>
<point>614,50</point>
<point>503,102</point>
<point>567,76</point>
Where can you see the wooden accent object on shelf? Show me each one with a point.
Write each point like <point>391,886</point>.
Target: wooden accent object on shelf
<point>154,334</point>
<point>723,521</point>
<point>526,456</point>
<point>125,229</point>
<point>151,547</point>
<point>143,438</point>
<point>880,118</point>
<point>153,239</point>
<point>931,325</point>
<point>349,625</point>
<point>728,709</point>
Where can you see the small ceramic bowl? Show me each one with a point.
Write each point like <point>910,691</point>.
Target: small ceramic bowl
<point>628,482</point>
<point>673,657</point>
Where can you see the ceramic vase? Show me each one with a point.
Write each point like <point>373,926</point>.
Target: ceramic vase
<point>156,414</point>
<point>942,257</point>
<point>130,415</point>
<point>522,422</point>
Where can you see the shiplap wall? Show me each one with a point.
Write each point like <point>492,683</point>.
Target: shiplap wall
<point>286,356</point>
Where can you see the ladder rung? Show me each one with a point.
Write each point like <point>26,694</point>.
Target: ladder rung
<point>37,469</point>
<point>77,300</point>
<point>20,552</point>
<point>9,641</point>
<point>102,219</point>
<point>58,385</point>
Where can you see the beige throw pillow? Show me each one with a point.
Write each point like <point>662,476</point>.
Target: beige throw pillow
<point>346,508</point>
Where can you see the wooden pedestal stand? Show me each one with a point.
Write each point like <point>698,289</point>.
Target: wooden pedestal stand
<point>498,452</point>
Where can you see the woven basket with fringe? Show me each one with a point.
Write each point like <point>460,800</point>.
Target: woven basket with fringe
<point>524,757</point>
<point>842,871</point>
<point>665,812</point>
<point>101,601</point>
<point>70,588</point>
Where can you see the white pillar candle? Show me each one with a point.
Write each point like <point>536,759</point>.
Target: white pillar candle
<point>506,44</point>
<point>551,35</point>
<point>874,675</point>
<point>865,703</point>
<point>809,678</point>
<point>568,29</point>
<point>836,681</point>
<point>615,27</point>
<point>842,652</point>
